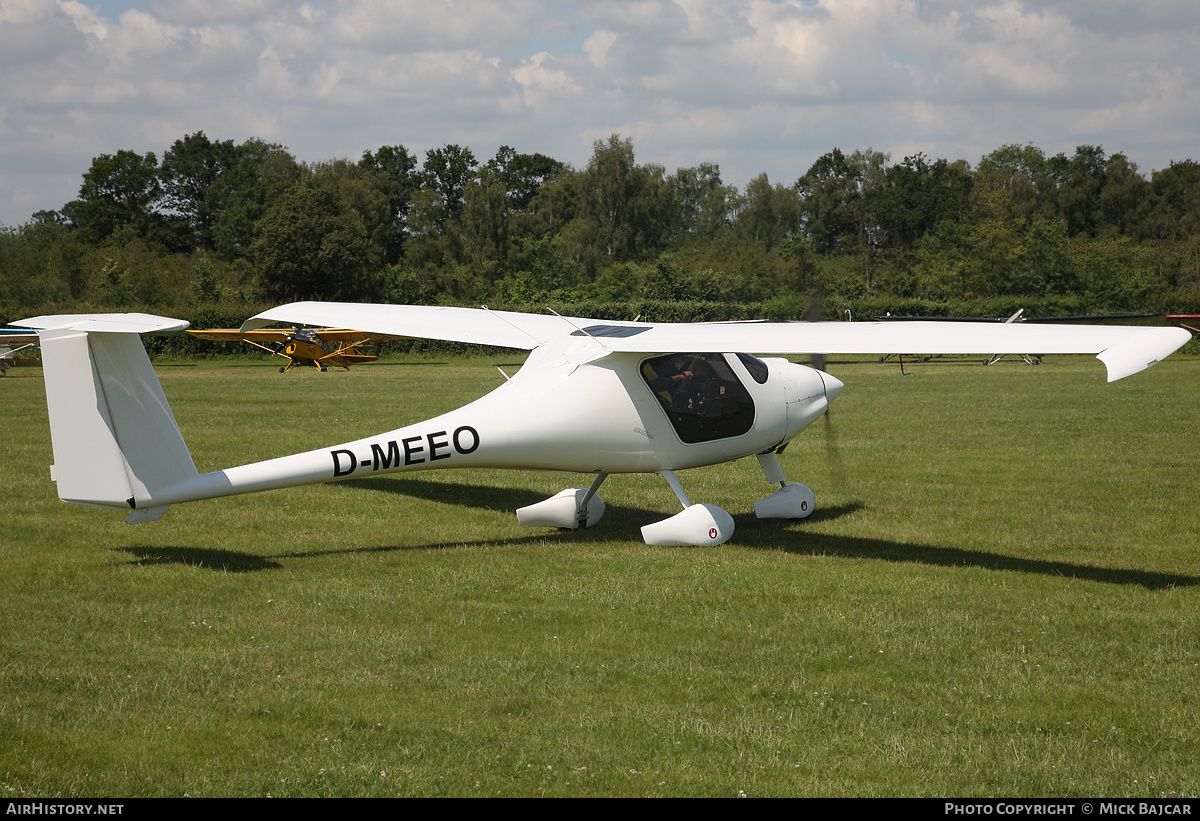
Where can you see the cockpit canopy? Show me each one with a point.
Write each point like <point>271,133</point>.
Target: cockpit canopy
<point>702,395</point>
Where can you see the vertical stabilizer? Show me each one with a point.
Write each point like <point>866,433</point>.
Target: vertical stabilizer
<point>116,443</point>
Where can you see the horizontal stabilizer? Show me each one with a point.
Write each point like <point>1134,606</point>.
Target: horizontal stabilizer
<point>133,323</point>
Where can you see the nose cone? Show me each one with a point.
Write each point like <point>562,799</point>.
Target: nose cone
<point>833,386</point>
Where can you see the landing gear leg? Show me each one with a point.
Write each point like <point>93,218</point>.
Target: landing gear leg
<point>581,506</point>
<point>791,501</point>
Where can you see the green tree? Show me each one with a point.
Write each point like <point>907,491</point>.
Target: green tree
<point>394,171</point>
<point>1172,221</point>
<point>192,175</point>
<point>1114,272</point>
<point>523,175</point>
<point>768,214</point>
<point>699,205</point>
<point>262,173</point>
<point>119,195</point>
<point>1124,196</point>
<point>556,203</point>
<point>621,204</point>
<point>840,197</point>
<point>919,195</point>
<point>446,172</point>
<point>1080,179</point>
<point>485,221</point>
<point>28,273</point>
<point>314,243</point>
<point>829,193</point>
<point>43,261</point>
<point>1014,182</point>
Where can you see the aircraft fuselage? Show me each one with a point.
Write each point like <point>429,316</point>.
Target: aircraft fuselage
<point>569,409</point>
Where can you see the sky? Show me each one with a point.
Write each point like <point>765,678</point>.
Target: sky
<point>755,86</point>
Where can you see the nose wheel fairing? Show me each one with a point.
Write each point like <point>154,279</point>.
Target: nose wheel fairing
<point>696,526</point>
<point>792,501</point>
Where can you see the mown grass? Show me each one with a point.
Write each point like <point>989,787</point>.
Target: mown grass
<point>997,596</point>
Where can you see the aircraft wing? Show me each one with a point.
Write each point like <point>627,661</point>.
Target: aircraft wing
<point>478,326</point>
<point>1189,321</point>
<point>282,334</point>
<point>348,336</point>
<point>234,335</point>
<point>1123,349</point>
<point>13,341</point>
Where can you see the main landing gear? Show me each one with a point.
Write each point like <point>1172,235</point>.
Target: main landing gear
<point>696,524</point>
<point>571,509</point>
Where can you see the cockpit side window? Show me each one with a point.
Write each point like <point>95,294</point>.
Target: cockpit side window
<point>757,368</point>
<point>701,395</point>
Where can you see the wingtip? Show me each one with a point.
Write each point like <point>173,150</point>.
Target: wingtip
<point>1141,352</point>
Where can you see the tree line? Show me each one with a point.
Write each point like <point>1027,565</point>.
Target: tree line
<point>214,223</point>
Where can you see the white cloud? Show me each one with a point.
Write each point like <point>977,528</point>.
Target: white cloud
<point>214,12</point>
<point>542,79</point>
<point>756,85</point>
<point>596,47</point>
<point>85,19</point>
<point>433,25</point>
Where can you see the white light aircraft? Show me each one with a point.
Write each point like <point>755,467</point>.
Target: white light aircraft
<point>594,397</point>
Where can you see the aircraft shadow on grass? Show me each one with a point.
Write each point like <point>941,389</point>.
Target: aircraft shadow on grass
<point>234,561</point>
<point>209,558</point>
<point>622,524</point>
<point>817,544</point>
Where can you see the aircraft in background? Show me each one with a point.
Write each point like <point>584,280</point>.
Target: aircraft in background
<point>13,340</point>
<point>594,397</point>
<point>1189,322</point>
<point>318,347</point>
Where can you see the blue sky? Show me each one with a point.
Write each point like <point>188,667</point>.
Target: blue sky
<point>756,86</point>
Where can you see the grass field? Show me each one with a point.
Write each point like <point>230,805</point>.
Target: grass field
<point>998,596</point>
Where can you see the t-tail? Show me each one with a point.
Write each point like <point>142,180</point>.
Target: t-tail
<point>116,443</point>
